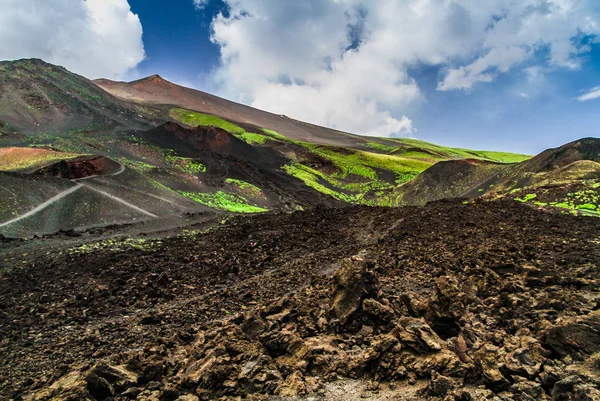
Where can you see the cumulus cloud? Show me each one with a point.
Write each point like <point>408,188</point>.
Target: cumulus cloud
<point>591,94</point>
<point>94,38</point>
<point>347,63</point>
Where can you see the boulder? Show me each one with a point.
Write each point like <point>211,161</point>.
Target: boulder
<point>525,361</point>
<point>293,386</point>
<point>576,337</point>
<point>71,386</point>
<point>439,385</point>
<point>380,312</point>
<point>486,360</point>
<point>117,376</point>
<point>417,335</point>
<point>353,282</point>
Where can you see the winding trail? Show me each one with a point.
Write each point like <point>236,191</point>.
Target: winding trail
<point>120,201</point>
<point>77,187</point>
<point>44,205</point>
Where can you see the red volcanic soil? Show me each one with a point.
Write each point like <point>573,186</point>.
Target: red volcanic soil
<point>193,142</point>
<point>157,90</point>
<point>81,168</point>
<point>14,157</point>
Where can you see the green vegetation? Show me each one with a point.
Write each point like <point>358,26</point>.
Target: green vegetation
<point>252,138</point>
<point>316,180</point>
<point>381,147</point>
<point>139,166</point>
<point>587,201</point>
<point>185,164</point>
<point>444,153</point>
<point>249,189</point>
<point>224,201</point>
<point>359,175</point>
<point>195,119</point>
<point>526,198</point>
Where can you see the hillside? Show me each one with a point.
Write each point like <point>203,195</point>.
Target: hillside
<point>564,179</point>
<point>157,90</point>
<point>37,97</point>
<point>190,151</point>
<point>468,178</point>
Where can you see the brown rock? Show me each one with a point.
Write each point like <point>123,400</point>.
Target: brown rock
<point>486,360</point>
<point>118,376</point>
<point>417,335</point>
<point>576,336</point>
<point>293,386</point>
<point>253,326</point>
<point>71,386</point>
<point>440,385</point>
<point>525,361</point>
<point>382,313</point>
<point>353,282</point>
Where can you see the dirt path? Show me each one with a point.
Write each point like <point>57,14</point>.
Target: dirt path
<point>44,205</point>
<point>77,187</point>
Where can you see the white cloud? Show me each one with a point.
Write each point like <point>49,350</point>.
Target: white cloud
<point>347,63</point>
<point>95,38</point>
<point>483,69</point>
<point>591,94</point>
<point>200,4</point>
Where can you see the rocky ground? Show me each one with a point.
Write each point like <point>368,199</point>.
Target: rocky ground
<point>493,300</point>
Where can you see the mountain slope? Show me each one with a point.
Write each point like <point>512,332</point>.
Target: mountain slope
<point>563,178</point>
<point>228,157</point>
<point>39,97</point>
<point>157,90</point>
<point>466,178</point>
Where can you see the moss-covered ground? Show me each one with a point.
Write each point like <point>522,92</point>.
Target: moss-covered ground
<point>585,201</point>
<point>224,201</point>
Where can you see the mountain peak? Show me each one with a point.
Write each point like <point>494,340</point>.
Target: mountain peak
<point>155,79</point>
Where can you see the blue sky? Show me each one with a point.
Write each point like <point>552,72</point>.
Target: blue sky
<point>519,75</point>
<point>177,40</point>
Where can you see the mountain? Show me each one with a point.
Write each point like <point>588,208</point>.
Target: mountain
<point>156,90</point>
<point>190,151</point>
<point>566,178</point>
<point>39,97</point>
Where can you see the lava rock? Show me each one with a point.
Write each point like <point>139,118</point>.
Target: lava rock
<point>576,336</point>
<point>353,282</point>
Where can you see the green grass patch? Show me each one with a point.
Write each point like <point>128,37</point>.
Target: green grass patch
<point>252,138</point>
<point>380,147</point>
<point>447,153</point>
<point>224,201</point>
<point>185,164</point>
<point>137,165</point>
<point>195,119</point>
<point>526,198</point>
<point>311,177</point>
<point>247,188</point>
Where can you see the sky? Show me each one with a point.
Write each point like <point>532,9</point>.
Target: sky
<point>514,75</point>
